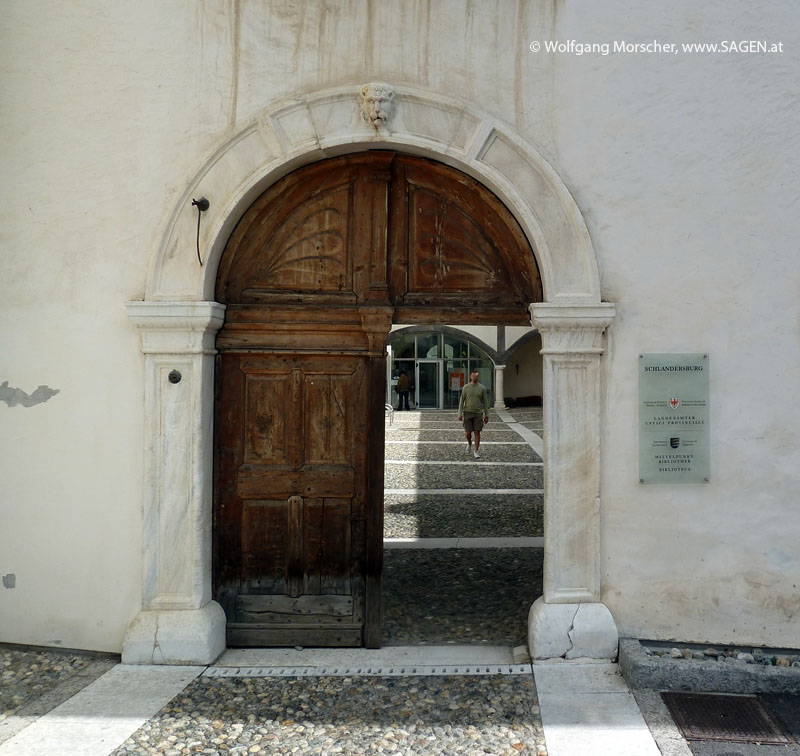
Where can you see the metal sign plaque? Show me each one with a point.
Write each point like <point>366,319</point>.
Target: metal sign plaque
<point>673,418</point>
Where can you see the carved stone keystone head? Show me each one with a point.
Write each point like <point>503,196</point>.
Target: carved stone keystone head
<point>376,103</point>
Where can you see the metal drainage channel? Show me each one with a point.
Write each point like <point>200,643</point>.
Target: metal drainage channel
<point>408,670</point>
<point>731,718</point>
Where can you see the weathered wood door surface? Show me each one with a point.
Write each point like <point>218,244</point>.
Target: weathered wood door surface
<point>291,518</point>
<point>313,276</point>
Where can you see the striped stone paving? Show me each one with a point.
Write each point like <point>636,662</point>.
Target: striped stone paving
<point>436,490</point>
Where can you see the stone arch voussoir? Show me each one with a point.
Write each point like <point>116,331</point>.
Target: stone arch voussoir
<point>329,123</point>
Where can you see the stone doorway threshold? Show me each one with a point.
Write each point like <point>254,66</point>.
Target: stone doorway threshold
<point>388,661</point>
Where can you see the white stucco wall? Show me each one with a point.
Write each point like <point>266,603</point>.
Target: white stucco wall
<point>687,173</point>
<point>523,374</point>
<point>685,168</point>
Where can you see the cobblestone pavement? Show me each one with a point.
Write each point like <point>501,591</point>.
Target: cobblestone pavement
<point>344,715</point>
<point>27,675</point>
<point>473,474</point>
<point>460,596</point>
<point>463,515</point>
<point>33,682</point>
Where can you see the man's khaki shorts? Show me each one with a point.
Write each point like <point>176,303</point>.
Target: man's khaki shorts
<point>473,421</point>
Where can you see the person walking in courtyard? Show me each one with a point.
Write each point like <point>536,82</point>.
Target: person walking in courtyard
<point>403,387</point>
<point>473,408</point>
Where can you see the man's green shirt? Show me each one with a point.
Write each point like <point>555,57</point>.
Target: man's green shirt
<point>474,399</point>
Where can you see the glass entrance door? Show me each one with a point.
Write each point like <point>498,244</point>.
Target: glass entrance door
<point>428,384</point>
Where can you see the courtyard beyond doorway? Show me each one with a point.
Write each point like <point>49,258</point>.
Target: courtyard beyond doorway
<point>463,537</point>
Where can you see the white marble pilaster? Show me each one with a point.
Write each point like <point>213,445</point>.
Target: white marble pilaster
<point>179,623</point>
<point>499,371</point>
<point>572,341</point>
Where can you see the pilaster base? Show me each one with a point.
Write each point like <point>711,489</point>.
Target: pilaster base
<point>571,631</point>
<point>175,636</point>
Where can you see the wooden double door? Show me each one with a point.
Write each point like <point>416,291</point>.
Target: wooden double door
<point>313,276</point>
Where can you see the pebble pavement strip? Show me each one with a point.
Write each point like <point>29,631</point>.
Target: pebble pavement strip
<point>459,442</point>
<point>510,542</point>
<point>456,452</point>
<point>423,716</point>
<point>411,435</point>
<point>470,596</point>
<point>37,706</point>
<point>475,475</point>
<point>103,714</point>
<point>27,675</point>
<point>462,515</point>
<point>443,464</point>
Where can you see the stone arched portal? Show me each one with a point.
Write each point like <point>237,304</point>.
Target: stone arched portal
<point>313,276</point>
<point>178,321</point>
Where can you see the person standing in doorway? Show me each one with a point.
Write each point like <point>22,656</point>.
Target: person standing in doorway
<point>403,387</point>
<point>473,409</point>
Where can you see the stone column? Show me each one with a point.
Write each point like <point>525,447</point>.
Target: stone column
<point>499,403</point>
<point>570,621</point>
<point>178,623</point>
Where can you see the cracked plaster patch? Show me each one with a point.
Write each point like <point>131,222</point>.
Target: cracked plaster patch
<point>14,396</point>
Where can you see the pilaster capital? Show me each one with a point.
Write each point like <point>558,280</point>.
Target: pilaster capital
<point>572,329</point>
<point>177,327</point>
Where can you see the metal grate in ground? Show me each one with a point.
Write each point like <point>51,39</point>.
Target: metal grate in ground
<point>398,670</point>
<point>730,718</point>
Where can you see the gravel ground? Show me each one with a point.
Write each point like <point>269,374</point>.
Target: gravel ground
<point>509,452</point>
<point>27,675</point>
<point>472,475</point>
<point>464,516</point>
<point>422,716</point>
<point>460,596</point>
<point>527,414</point>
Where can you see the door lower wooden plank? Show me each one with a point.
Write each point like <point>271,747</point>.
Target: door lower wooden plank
<point>294,635</point>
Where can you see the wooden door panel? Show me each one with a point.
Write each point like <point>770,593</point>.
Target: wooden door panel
<point>326,546</point>
<point>309,248</point>
<point>326,419</point>
<point>264,542</point>
<point>454,247</point>
<point>312,482</point>
<point>293,499</point>
<point>306,608</point>
<point>267,439</point>
<point>449,248</point>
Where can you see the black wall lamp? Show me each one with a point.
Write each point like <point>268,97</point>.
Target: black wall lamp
<point>202,205</point>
